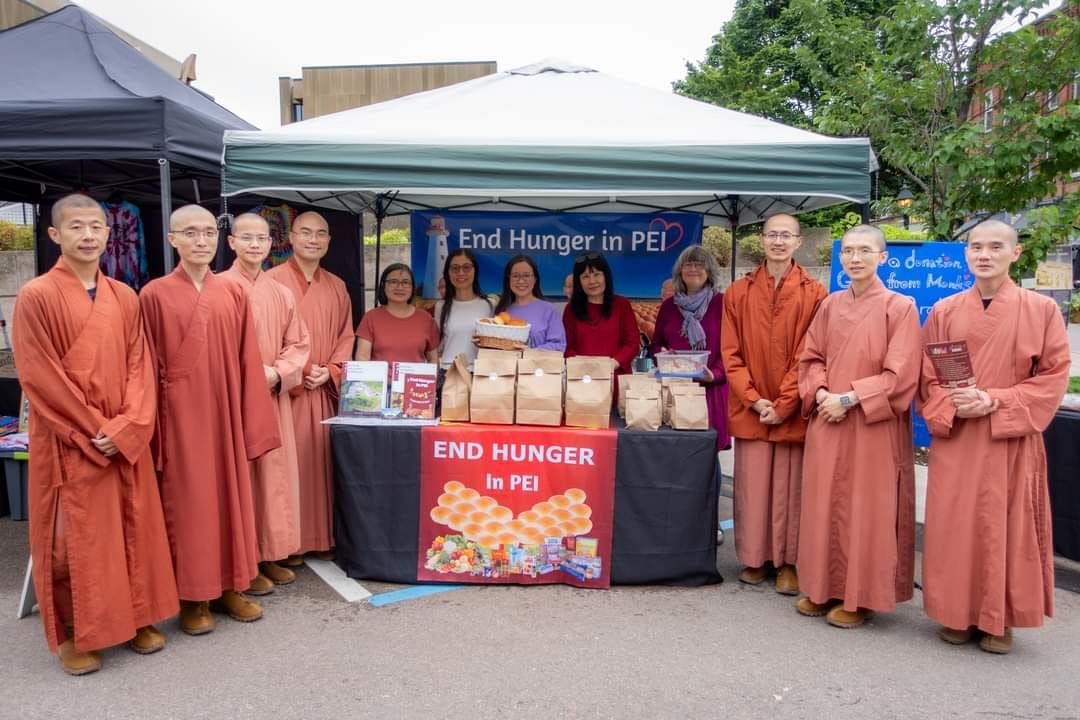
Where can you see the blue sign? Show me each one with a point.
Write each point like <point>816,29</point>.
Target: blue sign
<point>926,272</point>
<point>640,247</point>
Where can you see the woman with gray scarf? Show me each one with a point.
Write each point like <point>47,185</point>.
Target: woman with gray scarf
<point>691,321</point>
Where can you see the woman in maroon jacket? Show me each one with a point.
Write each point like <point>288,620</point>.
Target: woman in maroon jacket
<point>597,321</point>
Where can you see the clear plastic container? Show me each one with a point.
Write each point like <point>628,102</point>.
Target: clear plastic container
<point>682,363</point>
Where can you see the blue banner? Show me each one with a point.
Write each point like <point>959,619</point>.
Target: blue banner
<point>925,272</point>
<point>640,247</point>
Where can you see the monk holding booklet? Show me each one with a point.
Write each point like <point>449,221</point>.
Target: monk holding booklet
<point>102,572</point>
<point>859,372</point>
<point>988,564</point>
<point>214,416</point>
<point>284,347</point>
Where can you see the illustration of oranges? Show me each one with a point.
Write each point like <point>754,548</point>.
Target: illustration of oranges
<point>448,500</point>
<point>453,487</point>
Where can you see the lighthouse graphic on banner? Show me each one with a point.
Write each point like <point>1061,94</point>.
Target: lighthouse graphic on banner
<point>437,235</point>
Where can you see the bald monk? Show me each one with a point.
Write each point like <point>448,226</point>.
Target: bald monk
<point>97,536</point>
<point>327,312</point>
<point>766,315</point>
<point>858,373</point>
<point>214,416</point>
<point>988,564</point>
<point>284,347</point>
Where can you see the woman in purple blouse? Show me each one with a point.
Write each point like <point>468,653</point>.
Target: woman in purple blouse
<point>523,299</point>
<point>690,320</point>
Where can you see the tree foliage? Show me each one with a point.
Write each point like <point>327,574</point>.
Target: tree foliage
<point>908,75</point>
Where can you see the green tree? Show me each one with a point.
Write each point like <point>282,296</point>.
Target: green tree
<point>908,74</point>
<point>915,97</point>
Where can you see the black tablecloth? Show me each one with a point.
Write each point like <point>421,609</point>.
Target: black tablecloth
<point>1063,463</point>
<point>666,488</point>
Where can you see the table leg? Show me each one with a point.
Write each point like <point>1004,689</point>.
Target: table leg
<point>28,599</point>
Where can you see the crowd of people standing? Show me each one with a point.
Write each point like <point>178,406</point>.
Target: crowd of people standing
<point>179,464</point>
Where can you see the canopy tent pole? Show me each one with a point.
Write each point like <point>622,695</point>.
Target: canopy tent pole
<point>363,268</point>
<point>733,223</point>
<point>864,213</point>
<point>380,213</point>
<point>166,210</point>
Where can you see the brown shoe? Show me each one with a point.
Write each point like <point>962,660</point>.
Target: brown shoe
<point>841,618</point>
<point>787,581</point>
<point>195,617</point>
<point>327,555</point>
<point>753,576</point>
<point>809,608</point>
<point>277,574</point>
<point>261,585</point>
<point>78,663</point>
<point>238,607</point>
<point>956,637</point>
<point>997,644</point>
<point>292,561</point>
<point>147,640</point>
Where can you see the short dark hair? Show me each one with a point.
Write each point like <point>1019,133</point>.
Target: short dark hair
<point>380,294</point>
<point>579,303</point>
<point>80,201</point>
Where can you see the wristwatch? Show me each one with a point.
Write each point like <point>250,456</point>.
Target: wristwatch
<point>845,400</point>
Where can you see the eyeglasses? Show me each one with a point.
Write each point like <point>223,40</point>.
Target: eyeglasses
<point>521,277</point>
<point>587,257</point>
<point>461,269</point>
<point>193,234</point>
<point>248,239</point>
<point>399,283</point>
<point>307,234</point>
<point>785,236</point>
<point>694,265</point>
<point>859,251</point>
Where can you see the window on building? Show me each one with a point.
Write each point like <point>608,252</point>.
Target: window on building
<point>1052,101</point>
<point>297,111</point>
<point>1076,86</point>
<point>988,111</point>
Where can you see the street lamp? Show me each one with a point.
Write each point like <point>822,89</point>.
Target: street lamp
<point>903,199</point>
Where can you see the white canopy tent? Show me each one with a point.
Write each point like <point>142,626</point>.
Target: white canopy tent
<point>552,136</point>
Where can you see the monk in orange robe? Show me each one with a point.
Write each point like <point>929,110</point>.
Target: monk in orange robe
<point>214,416</point>
<point>327,313</point>
<point>859,371</point>
<point>97,536</point>
<point>766,315</point>
<point>988,564</point>
<point>284,347</point>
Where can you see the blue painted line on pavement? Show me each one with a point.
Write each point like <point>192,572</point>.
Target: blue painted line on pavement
<point>410,593</point>
<point>727,524</point>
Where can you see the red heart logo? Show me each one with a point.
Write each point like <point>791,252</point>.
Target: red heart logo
<point>668,228</point>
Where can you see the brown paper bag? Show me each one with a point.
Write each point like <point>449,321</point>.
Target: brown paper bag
<point>534,353</point>
<point>493,353</point>
<point>643,407</point>
<point>626,382</point>
<point>540,390</point>
<point>689,411</point>
<point>665,395</point>
<point>492,397</point>
<point>455,391</point>
<point>588,391</point>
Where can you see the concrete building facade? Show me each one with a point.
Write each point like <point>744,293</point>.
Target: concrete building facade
<point>331,89</point>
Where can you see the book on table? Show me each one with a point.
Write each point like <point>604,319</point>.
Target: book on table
<point>364,389</point>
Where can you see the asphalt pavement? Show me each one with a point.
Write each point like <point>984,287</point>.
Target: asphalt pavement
<point>726,651</point>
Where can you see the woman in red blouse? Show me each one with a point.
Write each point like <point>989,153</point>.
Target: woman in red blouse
<point>597,321</point>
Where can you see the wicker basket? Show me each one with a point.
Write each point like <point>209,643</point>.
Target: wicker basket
<point>502,337</point>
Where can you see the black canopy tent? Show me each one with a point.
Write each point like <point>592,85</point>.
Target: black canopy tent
<point>81,109</point>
